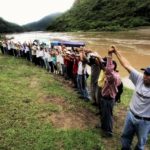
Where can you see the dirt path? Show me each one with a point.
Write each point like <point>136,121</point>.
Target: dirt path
<point>82,118</point>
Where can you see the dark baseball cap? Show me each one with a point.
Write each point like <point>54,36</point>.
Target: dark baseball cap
<point>146,70</point>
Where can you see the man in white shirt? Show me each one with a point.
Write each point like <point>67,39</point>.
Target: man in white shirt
<point>138,117</point>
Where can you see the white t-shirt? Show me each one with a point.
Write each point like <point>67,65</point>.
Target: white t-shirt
<point>60,59</point>
<point>140,103</point>
<point>81,70</point>
<point>40,53</point>
<point>46,55</point>
<point>26,49</point>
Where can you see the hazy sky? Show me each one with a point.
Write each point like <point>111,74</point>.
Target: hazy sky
<point>25,11</point>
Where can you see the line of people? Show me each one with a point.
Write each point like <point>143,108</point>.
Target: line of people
<point>105,80</point>
<point>73,65</point>
<point>59,60</point>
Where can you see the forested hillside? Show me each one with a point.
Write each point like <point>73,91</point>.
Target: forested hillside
<point>42,24</point>
<point>109,15</point>
<point>8,27</point>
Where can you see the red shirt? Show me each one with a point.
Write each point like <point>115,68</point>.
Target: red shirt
<point>75,66</point>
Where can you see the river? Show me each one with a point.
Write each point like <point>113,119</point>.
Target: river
<point>134,44</point>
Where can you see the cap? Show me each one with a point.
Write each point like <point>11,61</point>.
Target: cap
<point>94,54</point>
<point>146,70</point>
<point>77,55</point>
<point>68,52</point>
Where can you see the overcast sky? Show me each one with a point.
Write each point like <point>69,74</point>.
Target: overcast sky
<point>25,11</point>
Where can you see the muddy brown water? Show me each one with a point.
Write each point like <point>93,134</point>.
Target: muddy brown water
<point>134,44</point>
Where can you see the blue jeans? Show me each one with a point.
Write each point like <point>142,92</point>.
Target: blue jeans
<point>82,87</point>
<point>46,64</point>
<point>79,84</point>
<point>135,126</point>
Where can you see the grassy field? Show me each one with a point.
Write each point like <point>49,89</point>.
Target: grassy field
<point>40,111</point>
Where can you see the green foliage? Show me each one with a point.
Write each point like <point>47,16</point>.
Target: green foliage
<point>8,27</point>
<point>103,15</point>
<point>2,36</point>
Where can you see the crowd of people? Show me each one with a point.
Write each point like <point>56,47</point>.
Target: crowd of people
<point>72,64</point>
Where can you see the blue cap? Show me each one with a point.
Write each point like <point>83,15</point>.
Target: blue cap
<point>146,70</point>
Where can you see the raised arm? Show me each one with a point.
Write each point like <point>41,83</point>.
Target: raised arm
<point>123,61</point>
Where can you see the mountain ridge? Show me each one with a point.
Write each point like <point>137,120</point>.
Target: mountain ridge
<point>9,27</point>
<point>98,15</point>
<point>42,23</point>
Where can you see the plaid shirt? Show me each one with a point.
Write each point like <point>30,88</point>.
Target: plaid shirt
<point>112,80</point>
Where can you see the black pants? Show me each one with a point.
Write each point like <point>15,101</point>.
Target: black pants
<point>98,97</point>
<point>2,49</point>
<point>34,59</point>
<point>107,105</point>
<point>51,66</point>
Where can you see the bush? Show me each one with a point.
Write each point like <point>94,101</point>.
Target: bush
<point>112,28</point>
<point>135,22</point>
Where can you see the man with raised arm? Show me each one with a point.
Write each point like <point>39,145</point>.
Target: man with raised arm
<point>138,117</point>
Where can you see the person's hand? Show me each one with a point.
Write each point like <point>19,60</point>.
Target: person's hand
<point>87,51</point>
<point>111,50</point>
<point>114,49</point>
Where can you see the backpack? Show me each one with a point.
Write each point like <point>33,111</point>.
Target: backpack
<point>119,93</point>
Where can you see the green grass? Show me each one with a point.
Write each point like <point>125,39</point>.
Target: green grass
<point>126,96</point>
<point>29,95</point>
<point>22,85</point>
